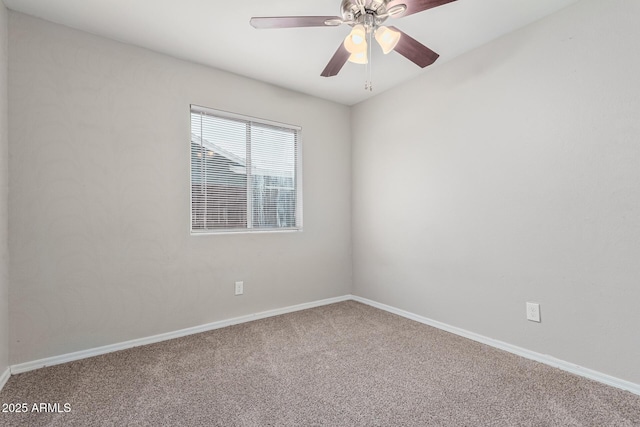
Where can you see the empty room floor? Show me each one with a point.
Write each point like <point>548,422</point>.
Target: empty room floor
<point>345,364</point>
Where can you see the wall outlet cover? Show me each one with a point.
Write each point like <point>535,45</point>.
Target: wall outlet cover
<point>533,311</point>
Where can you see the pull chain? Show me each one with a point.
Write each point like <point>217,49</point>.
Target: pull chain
<point>370,60</point>
<point>366,74</point>
<point>368,84</point>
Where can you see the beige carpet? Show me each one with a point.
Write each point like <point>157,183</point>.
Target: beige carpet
<point>345,364</point>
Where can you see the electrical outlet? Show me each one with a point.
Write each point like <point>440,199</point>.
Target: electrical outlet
<point>533,312</point>
<point>239,288</point>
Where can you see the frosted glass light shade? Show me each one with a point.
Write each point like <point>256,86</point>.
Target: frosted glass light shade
<point>387,38</point>
<point>359,57</point>
<point>356,42</point>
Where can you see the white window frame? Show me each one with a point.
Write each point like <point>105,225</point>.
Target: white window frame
<point>298,177</point>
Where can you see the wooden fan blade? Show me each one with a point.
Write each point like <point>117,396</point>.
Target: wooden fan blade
<point>337,62</point>
<point>414,51</point>
<point>415,6</point>
<point>293,21</point>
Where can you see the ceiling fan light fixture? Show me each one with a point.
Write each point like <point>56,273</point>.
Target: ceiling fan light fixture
<point>359,57</point>
<point>356,42</point>
<point>366,18</point>
<point>387,38</point>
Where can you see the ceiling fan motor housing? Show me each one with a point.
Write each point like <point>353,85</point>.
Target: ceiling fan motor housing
<point>352,12</point>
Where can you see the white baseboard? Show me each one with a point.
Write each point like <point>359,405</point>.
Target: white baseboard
<point>83,354</point>
<point>4,377</point>
<point>538,357</point>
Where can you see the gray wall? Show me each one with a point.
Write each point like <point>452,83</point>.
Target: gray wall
<point>512,174</point>
<point>4,182</point>
<point>505,176</point>
<point>99,196</point>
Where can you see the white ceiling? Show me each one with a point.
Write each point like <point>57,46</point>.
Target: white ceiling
<point>217,33</point>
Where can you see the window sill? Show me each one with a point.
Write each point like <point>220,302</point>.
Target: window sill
<point>246,231</point>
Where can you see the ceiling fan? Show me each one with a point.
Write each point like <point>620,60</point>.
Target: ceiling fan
<point>366,17</point>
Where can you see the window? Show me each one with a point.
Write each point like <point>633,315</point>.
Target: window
<point>245,173</point>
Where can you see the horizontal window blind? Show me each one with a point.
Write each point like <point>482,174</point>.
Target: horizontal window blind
<point>245,173</point>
